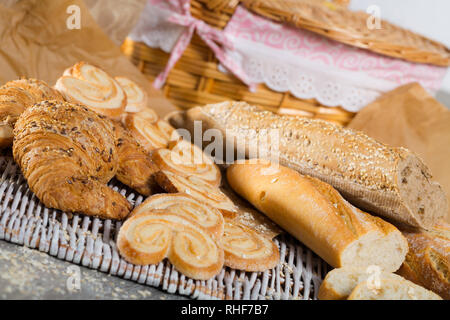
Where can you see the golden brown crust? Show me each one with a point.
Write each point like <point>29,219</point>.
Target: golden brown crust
<point>317,215</point>
<point>91,86</point>
<point>135,166</point>
<point>15,97</point>
<point>391,182</point>
<point>428,260</point>
<point>186,159</point>
<point>67,153</point>
<point>181,204</point>
<point>198,189</point>
<point>150,131</point>
<point>246,249</point>
<point>150,236</point>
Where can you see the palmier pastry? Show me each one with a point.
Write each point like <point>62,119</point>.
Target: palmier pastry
<point>67,153</point>
<point>246,249</point>
<point>186,159</point>
<point>94,88</point>
<point>183,205</point>
<point>137,98</point>
<point>135,167</point>
<point>151,236</point>
<point>150,131</point>
<point>15,97</point>
<point>198,189</point>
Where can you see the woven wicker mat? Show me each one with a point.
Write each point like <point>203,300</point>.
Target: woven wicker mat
<point>90,242</point>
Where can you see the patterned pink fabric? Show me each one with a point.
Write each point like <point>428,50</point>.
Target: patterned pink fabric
<point>313,47</point>
<point>214,38</point>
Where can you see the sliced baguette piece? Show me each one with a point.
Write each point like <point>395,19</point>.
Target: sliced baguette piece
<point>391,182</point>
<point>340,282</point>
<point>317,215</point>
<point>392,289</point>
<point>428,260</point>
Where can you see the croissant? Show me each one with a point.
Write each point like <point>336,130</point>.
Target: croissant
<point>68,153</point>
<point>15,97</point>
<point>135,167</point>
<point>83,83</point>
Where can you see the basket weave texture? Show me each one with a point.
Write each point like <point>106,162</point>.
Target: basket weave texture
<point>196,80</point>
<point>352,28</point>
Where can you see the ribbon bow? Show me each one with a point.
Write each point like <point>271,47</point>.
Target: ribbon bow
<point>211,36</point>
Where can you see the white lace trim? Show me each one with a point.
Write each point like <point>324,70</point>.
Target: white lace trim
<point>282,72</point>
<point>154,30</point>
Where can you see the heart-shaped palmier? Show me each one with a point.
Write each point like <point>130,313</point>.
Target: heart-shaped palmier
<point>246,249</point>
<point>185,206</point>
<point>148,238</point>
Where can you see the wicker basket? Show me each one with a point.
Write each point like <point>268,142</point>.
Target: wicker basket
<point>196,80</point>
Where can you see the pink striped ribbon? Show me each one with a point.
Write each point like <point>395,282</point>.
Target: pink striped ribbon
<point>211,36</point>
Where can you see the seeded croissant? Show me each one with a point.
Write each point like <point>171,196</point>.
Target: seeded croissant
<point>68,153</point>
<point>15,97</point>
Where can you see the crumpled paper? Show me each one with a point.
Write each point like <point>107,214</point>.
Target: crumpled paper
<point>38,39</point>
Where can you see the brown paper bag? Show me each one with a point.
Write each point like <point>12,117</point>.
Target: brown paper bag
<point>410,117</point>
<point>35,41</point>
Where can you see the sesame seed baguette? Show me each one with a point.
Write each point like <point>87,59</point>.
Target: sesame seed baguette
<point>317,215</point>
<point>391,182</point>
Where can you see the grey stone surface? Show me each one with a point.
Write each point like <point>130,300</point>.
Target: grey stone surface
<point>29,274</point>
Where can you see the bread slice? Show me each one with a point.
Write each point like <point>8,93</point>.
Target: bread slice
<point>340,282</point>
<point>317,215</point>
<point>391,182</point>
<point>392,289</point>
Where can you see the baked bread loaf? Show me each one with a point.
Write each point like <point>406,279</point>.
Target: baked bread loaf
<point>391,182</point>
<point>392,289</point>
<point>88,85</point>
<point>15,97</point>
<point>135,167</point>
<point>246,249</point>
<point>183,205</point>
<point>198,189</point>
<point>150,131</point>
<point>186,159</point>
<point>151,236</point>
<point>317,215</point>
<point>137,98</point>
<point>340,282</point>
<point>67,153</point>
<point>428,260</point>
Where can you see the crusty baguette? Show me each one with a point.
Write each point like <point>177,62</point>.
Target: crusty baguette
<point>428,260</point>
<point>340,282</point>
<point>317,215</point>
<point>391,289</point>
<point>391,182</point>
